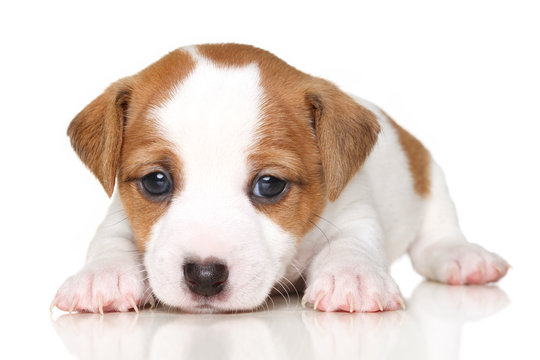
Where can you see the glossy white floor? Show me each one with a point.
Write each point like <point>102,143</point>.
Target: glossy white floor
<point>441,322</point>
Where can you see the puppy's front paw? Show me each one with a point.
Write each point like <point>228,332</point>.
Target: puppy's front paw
<point>104,286</point>
<point>353,289</point>
<point>460,264</point>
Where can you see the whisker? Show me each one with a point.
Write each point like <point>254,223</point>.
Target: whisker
<point>326,220</point>
<point>295,267</point>
<point>294,288</point>
<point>273,304</point>
<point>266,304</point>
<point>116,223</point>
<point>280,293</point>
<point>322,232</point>
<point>117,211</point>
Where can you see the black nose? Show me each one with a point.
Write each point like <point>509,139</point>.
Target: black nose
<point>206,280</point>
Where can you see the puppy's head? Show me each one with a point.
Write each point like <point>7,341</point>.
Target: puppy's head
<point>223,156</point>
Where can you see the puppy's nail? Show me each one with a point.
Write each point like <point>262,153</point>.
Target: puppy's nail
<point>378,301</point>
<point>318,299</point>
<point>133,305</point>
<point>304,301</point>
<point>401,303</point>
<point>73,304</point>
<point>482,269</point>
<point>455,277</point>
<point>100,305</point>
<point>350,300</point>
<point>53,304</point>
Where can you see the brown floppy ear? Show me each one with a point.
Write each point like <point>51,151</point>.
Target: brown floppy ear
<point>96,132</point>
<point>346,133</point>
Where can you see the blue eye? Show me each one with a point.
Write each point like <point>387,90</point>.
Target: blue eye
<point>269,188</point>
<point>156,183</point>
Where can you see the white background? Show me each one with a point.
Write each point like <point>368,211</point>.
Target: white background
<point>463,76</point>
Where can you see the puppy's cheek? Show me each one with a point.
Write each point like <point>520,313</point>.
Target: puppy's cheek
<point>144,216</point>
<point>265,261</point>
<point>165,277</point>
<point>163,264</point>
<point>280,245</point>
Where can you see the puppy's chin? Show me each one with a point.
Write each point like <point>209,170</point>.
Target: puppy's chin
<point>221,305</point>
<point>209,309</point>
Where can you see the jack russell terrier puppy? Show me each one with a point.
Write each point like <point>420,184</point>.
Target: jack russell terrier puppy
<point>237,175</point>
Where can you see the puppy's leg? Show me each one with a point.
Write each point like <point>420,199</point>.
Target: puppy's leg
<point>113,278</point>
<point>350,272</point>
<point>442,253</point>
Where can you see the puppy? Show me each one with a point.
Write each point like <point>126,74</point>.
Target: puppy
<point>234,174</point>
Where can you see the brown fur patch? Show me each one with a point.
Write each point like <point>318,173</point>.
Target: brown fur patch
<point>418,157</point>
<point>142,155</point>
<point>115,135</point>
<point>312,133</point>
<point>288,150</point>
<point>153,84</point>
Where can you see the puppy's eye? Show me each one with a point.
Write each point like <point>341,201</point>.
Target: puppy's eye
<point>156,183</point>
<point>269,188</point>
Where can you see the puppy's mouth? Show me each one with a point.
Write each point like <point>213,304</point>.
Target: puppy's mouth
<point>196,303</point>
<point>211,309</point>
<point>206,308</point>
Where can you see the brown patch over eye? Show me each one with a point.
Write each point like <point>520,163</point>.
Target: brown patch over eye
<point>144,155</point>
<point>143,208</point>
<point>287,151</point>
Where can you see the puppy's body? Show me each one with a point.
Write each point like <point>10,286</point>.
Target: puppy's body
<point>237,173</point>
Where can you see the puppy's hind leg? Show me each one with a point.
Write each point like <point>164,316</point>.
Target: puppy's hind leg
<point>441,252</point>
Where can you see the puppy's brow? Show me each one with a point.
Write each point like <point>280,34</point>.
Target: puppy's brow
<point>135,171</point>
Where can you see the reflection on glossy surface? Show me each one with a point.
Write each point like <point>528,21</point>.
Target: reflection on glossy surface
<point>429,329</point>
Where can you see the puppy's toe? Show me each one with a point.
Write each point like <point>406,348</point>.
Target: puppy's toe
<point>351,290</point>
<point>463,264</point>
<point>103,287</point>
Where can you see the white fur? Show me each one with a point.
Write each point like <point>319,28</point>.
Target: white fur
<point>212,118</point>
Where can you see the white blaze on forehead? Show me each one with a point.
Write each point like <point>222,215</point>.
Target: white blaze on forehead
<point>211,118</point>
